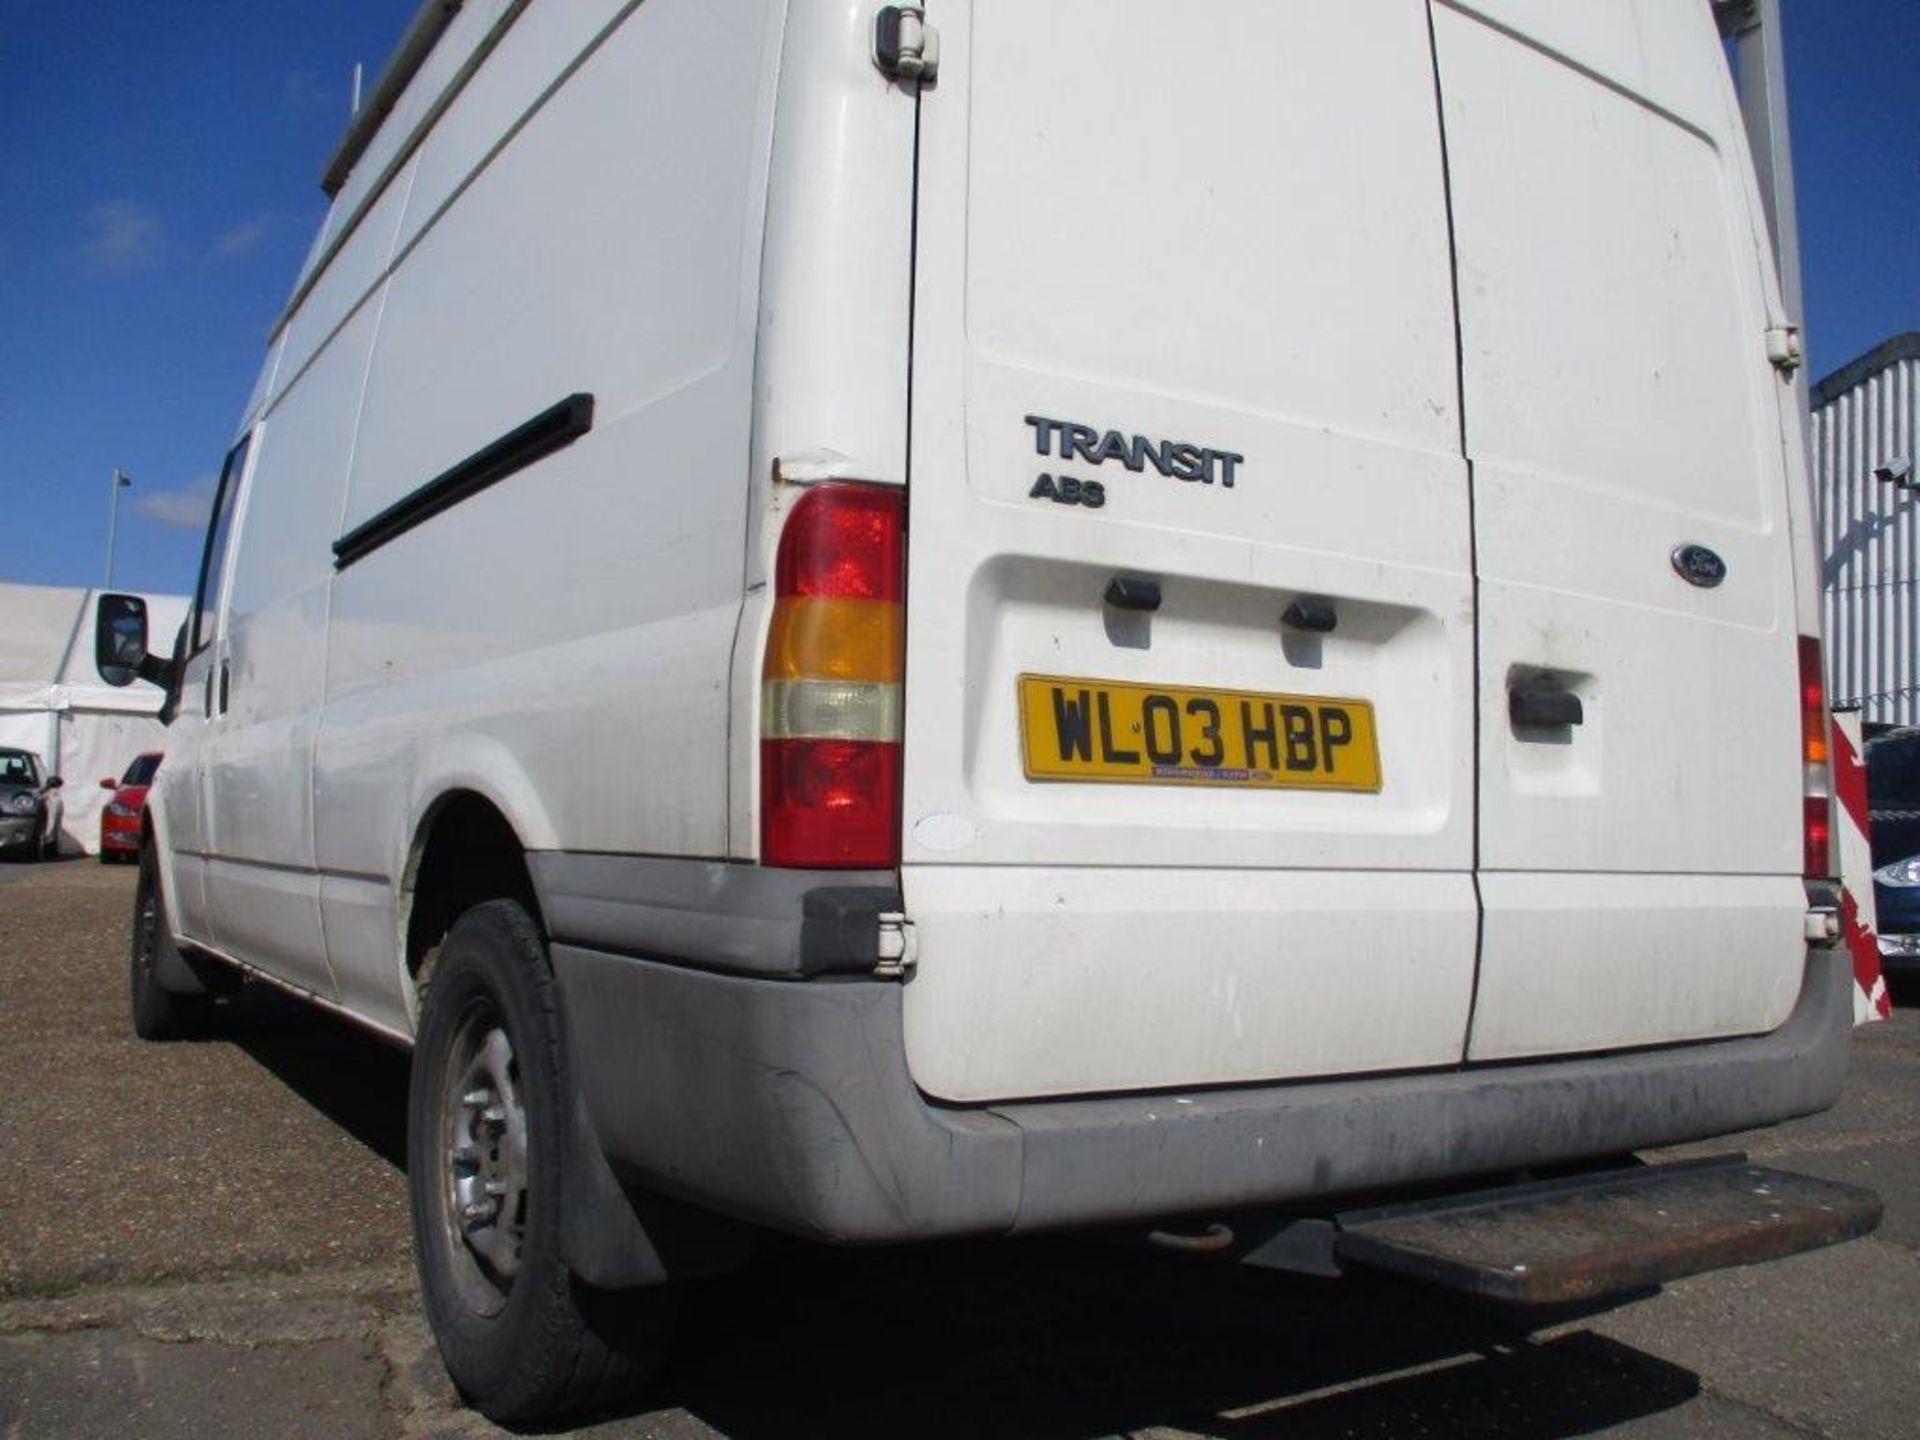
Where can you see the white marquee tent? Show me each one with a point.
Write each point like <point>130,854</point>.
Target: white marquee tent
<point>53,701</point>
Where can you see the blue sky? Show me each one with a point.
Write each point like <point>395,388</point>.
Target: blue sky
<point>159,183</point>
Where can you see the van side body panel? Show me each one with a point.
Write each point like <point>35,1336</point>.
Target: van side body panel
<point>252,764</point>
<point>383,169</point>
<point>174,801</point>
<point>836,284</point>
<point>578,627</point>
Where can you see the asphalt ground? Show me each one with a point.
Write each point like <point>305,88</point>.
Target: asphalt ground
<point>209,1239</point>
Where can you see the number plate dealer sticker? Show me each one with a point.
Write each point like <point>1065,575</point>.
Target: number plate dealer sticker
<point>1113,732</point>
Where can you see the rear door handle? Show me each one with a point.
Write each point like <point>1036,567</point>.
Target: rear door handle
<point>1128,592</point>
<point>1540,706</point>
<point>1311,614</point>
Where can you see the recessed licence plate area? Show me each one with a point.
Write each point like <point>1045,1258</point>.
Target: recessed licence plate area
<point>1117,732</point>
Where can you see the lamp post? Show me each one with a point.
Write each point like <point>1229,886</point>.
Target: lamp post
<point>120,482</point>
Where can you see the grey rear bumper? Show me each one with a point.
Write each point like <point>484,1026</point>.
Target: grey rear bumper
<point>788,1102</point>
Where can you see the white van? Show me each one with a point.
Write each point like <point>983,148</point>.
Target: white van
<point>885,624</point>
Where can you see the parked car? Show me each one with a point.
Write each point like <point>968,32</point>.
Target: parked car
<point>1135,631</point>
<point>1893,806</point>
<point>30,806</point>
<point>120,817</point>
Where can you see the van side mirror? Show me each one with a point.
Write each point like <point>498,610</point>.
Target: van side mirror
<point>120,650</point>
<point>54,782</point>
<point>119,637</point>
<point>109,783</point>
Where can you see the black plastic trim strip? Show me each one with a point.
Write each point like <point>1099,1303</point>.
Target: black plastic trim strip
<point>552,429</point>
<point>718,915</point>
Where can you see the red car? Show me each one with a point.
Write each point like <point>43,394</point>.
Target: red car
<point>120,820</point>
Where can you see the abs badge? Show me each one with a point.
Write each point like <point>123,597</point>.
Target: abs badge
<point>1697,565</point>
<point>1066,490</point>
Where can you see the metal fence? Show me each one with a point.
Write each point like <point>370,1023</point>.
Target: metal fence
<point>1866,493</point>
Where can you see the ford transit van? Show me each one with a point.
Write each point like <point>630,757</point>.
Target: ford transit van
<point>886,622</point>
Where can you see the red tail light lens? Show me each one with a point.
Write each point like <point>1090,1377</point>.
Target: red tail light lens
<point>830,803</point>
<point>831,682</point>
<point>1816,772</point>
<point>844,541</point>
<point>1819,833</point>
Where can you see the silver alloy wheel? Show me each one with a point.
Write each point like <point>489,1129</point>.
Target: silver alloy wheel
<point>485,1128</point>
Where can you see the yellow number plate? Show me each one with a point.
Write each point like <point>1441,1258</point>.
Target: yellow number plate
<point>1106,730</point>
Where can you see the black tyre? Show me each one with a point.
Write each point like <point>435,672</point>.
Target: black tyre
<point>158,1013</point>
<point>520,1336</point>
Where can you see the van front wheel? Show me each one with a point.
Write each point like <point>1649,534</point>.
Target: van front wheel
<point>158,1013</point>
<point>520,1336</point>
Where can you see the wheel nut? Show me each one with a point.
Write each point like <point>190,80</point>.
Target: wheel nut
<point>476,1210</point>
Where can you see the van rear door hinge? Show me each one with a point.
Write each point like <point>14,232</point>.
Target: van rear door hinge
<point>899,951</point>
<point>1824,926</point>
<point>1783,348</point>
<point>904,44</point>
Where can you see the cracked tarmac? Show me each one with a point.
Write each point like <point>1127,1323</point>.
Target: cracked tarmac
<point>210,1239</point>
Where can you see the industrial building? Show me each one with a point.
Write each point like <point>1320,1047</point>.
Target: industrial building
<point>1866,495</point>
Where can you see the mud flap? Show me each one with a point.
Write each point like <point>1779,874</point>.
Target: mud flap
<point>1599,1235</point>
<point>616,1236</point>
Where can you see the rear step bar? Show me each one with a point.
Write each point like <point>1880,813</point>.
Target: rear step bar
<point>1572,1240</point>
<point>1589,1237</point>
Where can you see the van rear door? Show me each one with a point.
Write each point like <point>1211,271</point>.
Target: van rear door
<point>1640,867</point>
<point>1183,316</point>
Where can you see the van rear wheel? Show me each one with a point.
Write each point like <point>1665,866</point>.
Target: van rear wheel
<point>520,1335</point>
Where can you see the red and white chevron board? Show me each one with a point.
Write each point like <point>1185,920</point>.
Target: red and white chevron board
<point>1870,1000</point>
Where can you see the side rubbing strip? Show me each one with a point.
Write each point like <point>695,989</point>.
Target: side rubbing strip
<point>552,429</point>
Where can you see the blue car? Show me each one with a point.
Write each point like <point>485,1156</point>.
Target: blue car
<point>1893,804</point>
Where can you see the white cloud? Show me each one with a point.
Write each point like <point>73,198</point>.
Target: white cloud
<point>185,508</point>
<point>122,236</point>
<point>302,90</point>
<point>242,238</point>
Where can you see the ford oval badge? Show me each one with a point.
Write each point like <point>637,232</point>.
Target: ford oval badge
<point>1697,565</point>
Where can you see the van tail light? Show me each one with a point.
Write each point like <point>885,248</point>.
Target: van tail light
<point>830,695</point>
<point>1816,769</point>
